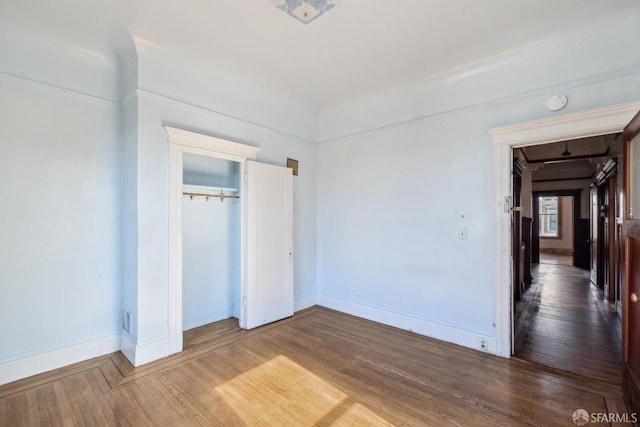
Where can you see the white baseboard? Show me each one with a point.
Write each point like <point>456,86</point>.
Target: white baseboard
<point>301,303</point>
<point>34,364</point>
<point>128,347</point>
<point>151,351</point>
<point>410,322</point>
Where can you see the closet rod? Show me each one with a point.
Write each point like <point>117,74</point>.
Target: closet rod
<point>221,196</point>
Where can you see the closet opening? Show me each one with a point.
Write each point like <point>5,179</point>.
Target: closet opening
<point>211,240</point>
<point>230,236</point>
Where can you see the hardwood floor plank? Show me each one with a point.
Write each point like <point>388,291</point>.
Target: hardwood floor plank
<point>321,368</point>
<point>198,392</point>
<point>563,322</point>
<point>50,414</point>
<point>22,409</point>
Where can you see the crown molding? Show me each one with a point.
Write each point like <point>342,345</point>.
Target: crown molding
<point>583,124</point>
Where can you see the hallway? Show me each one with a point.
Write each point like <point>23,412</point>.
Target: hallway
<point>564,322</point>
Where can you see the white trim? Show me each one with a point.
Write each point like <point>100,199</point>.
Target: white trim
<point>151,351</point>
<point>58,90</point>
<point>128,347</point>
<point>46,361</point>
<point>301,303</point>
<point>594,122</point>
<point>175,249</point>
<point>583,124</point>
<point>210,143</point>
<point>409,322</point>
<point>180,142</point>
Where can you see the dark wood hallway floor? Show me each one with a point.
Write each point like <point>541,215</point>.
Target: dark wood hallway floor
<point>564,322</point>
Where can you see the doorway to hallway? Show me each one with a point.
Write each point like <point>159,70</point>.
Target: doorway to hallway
<point>564,322</point>
<point>562,319</point>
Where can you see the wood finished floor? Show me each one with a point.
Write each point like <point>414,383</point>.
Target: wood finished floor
<point>318,368</point>
<point>564,322</point>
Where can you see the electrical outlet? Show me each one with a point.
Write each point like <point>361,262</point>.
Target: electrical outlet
<point>483,344</point>
<point>126,321</point>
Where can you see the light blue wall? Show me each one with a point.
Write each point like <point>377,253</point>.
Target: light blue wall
<point>211,260</point>
<point>210,171</point>
<point>211,247</point>
<point>391,201</point>
<point>389,207</point>
<point>60,232</point>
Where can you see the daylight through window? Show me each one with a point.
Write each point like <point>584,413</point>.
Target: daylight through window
<point>548,216</point>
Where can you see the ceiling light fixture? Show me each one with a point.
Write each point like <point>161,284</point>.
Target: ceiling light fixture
<point>566,151</point>
<point>304,10</point>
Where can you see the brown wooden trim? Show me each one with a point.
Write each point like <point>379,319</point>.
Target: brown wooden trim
<point>630,388</point>
<point>633,128</point>
<point>564,179</point>
<point>627,178</point>
<point>632,228</point>
<point>568,159</point>
<point>612,235</point>
<point>630,132</point>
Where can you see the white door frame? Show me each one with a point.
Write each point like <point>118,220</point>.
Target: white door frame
<point>180,142</point>
<point>582,124</point>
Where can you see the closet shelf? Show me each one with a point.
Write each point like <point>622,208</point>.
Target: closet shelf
<point>209,191</point>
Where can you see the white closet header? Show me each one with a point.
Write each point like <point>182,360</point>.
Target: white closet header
<point>211,143</point>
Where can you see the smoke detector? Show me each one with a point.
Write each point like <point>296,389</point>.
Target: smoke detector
<point>556,103</point>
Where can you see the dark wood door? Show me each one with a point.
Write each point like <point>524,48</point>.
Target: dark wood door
<point>631,277</point>
<point>535,230</point>
<point>593,234</point>
<point>612,284</point>
<point>604,269</point>
<point>515,232</point>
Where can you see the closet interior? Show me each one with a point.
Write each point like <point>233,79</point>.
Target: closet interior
<point>211,240</point>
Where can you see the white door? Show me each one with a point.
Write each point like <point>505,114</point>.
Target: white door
<point>268,292</point>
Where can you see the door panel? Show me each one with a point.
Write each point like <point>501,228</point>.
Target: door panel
<point>633,248</point>
<point>593,236</point>
<point>535,231</point>
<point>268,295</point>
<point>631,277</point>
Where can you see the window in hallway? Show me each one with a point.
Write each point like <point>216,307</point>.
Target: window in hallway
<point>549,217</point>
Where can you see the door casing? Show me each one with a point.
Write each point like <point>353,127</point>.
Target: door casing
<point>599,121</point>
<point>180,142</point>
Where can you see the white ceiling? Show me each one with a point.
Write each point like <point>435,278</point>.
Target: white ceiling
<point>358,47</point>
